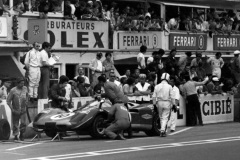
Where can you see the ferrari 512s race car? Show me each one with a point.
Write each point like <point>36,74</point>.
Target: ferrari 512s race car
<point>89,119</point>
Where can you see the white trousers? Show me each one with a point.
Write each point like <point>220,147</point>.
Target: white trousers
<point>34,79</point>
<point>216,72</point>
<point>164,108</point>
<point>172,121</point>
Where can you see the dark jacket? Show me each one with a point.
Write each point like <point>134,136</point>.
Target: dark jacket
<point>55,93</point>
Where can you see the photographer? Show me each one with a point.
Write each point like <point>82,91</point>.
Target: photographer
<point>176,97</point>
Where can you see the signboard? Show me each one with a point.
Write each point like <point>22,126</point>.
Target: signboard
<point>37,30</point>
<point>187,41</point>
<point>217,108</point>
<point>68,34</point>
<point>133,40</point>
<point>224,42</point>
<point>3,27</point>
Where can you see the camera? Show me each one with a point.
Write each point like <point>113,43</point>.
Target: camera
<point>175,108</point>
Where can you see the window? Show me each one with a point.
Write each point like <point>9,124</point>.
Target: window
<point>54,74</point>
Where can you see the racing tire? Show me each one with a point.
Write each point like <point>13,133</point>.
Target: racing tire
<point>97,129</point>
<point>5,129</point>
<point>50,133</point>
<point>156,126</point>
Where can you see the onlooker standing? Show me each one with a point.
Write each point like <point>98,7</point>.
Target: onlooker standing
<point>4,89</point>
<point>84,89</point>
<point>141,59</point>
<point>163,98</point>
<point>183,61</point>
<point>128,89</point>
<point>192,101</point>
<point>196,60</point>
<point>127,74</point>
<point>216,64</point>
<point>171,66</point>
<point>176,96</point>
<point>81,74</point>
<point>235,65</point>
<point>33,64</point>
<point>143,90</point>
<point>97,68</point>
<point>173,23</point>
<point>45,71</point>
<point>113,79</point>
<point>17,101</point>
<point>108,64</point>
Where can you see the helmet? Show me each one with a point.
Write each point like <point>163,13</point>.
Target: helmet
<point>165,76</point>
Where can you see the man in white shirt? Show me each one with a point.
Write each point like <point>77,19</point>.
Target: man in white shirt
<point>216,64</point>
<point>173,23</point>
<point>4,89</point>
<point>141,59</point>
<point>81,74</point>
<point>33,64</point>
<point>45,71</point>
<point>163,98</point>
<point>97,68</point>
<point>176,96</point>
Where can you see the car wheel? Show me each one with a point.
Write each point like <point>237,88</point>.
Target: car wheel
<point>97,130</point>
<point>50,133</point>
<point>5,129</point>
<point>156,126</point>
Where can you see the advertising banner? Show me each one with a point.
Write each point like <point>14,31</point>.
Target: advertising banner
<point>68,34</point>
<point>187,41</point>
<point>133,39</point>
<point>225,42</point>
<point>217,108</point>
<point>37,30</point>
<point>3,27</point>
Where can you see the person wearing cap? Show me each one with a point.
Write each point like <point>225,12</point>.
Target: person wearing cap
<point>235,65</point>
<point>17,101</point>
<point>192,102</point>
<point>97,68</point>
<point>4,89</point>
<point>108,64</point>
<point>141,59</point>
<point>214,86</point>
<point>33,64</point>
<point>81,74</point>
<point>142,90</point>
<point>163,98</point>
<point>58,92</point>
<point>216,64</point>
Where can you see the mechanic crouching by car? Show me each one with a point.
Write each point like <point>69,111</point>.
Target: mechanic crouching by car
<point>121,121</point>
<point>163,98</point>
<point>57,94</point>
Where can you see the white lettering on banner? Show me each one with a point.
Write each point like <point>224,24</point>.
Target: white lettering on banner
<point>136,40</point>
<point>227,42</point>
<point>71,25</point>
<point>184,41</point>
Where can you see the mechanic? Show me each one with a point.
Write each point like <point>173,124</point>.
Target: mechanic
<point>121,122</point>
<point>58,92</point>
<point>176,94</point>
<point>163,98</point>
<point>143,90</point>
<point>112,91</point>
<point>17,100</point>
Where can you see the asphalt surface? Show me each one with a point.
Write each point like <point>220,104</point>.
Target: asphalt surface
<point>210,142</point>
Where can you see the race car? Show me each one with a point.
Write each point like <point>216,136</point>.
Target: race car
<point>89,119</point>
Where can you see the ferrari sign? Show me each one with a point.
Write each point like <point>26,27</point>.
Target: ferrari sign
<point>223,42</point>
<point>188,41</point>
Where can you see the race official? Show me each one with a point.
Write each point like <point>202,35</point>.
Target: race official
<point>121,121</point>
<point>33,64</point>
<point>17,101</point>
<point>163,98</point>
<point>176,96</point>
<point>193,104</point>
